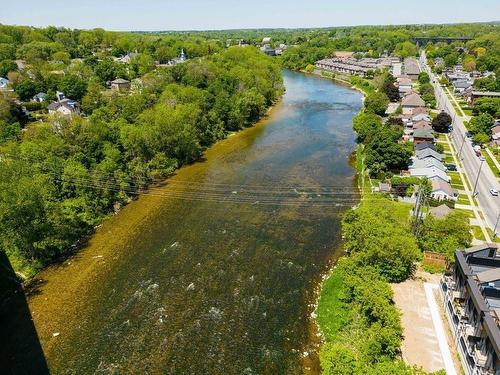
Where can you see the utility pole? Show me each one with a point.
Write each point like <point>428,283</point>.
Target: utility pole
<point>477,178</point>
<point>496,225</point>
<point>461,147</point>
<point>416,210</point>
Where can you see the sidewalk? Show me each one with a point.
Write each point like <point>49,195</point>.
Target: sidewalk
<point>475,209</point>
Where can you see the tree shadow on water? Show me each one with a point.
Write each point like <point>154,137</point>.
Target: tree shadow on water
<point>20,348</point>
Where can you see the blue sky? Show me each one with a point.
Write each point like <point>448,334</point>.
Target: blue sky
<point>226,14</point>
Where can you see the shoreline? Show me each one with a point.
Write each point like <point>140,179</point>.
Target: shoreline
<point>29,282</point>
<point>326,275</point>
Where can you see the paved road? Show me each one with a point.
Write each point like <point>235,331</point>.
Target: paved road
<point>489,204</point>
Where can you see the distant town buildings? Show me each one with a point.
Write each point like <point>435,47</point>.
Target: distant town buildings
<point>352,66</point>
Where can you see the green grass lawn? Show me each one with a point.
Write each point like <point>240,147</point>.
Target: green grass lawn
<point>456,180</point>
<point>446,147</point>
<point>490,232</point>
<point>448,159</point>
<point>440,136</point>
<point>332,312</point>
<point>478,233</point>
<point>462,199</point>
<point>492,165</point>
<point>469,213</point>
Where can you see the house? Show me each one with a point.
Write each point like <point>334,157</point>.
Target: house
<point>471,299</point>
<point>405,85</point>
<point>421,117</point>
<point>422,124</point>
<point>40,97</point>
<point>411,68</point>
<point>280,49</point>
<point>4,83</point>
<point>438,61</point>
<point>266,40</point>
<point>482,94</point>
<point>60,96</point>
<point>495,134</point>
<point>343,54</point>
<point>429,173</point>
<point>268,50</point>
<point>397,69</point>
<point>126,59</point>
<point>384,187</point>
<point>120,84</point>
<point>65,107</point>
<point>440,212</point>
<point>428,152</point>
<point>424,146</point>
<point>423,135</point>
<point>441,189</point>
<point>426,163</point>
<point>411,101</point>
<point>461,85</point>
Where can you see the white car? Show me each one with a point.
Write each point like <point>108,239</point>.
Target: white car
<point>482,158</point>
<point>494,192</point>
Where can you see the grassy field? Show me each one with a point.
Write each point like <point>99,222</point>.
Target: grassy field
<point>462,199</point>
<point>469,213</point>
<point>478,233</point>
<point>492,164</point>
<point>456,181</point>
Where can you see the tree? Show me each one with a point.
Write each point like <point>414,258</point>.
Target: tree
<point>93,98</point>
<point>377,103</point>
<point>365,124</point>
<point>7,66</point>
<point>73,86</point>
<point>441,123</point>
<point>373,237</point>
<point>406,49</point>
<point>423,78</point>
<point>481,124</point>
<point>26,89</point>
<point>445,235</point>
<point>391,91</point>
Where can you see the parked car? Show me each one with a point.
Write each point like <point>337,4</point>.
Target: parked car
<point>482,158</point>
<point>494,192</point>
<point>451,167</point>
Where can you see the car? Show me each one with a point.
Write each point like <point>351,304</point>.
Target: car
<point>451,167</point>
<point>494,192</point>
<point>482,158</point>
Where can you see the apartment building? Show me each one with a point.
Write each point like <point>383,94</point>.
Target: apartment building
<point>471,297</point>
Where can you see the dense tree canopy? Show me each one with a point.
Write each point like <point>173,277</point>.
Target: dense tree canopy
<point>47,199</point>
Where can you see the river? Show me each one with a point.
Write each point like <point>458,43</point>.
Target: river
<point>216,271</point>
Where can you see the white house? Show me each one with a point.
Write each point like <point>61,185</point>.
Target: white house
<point>40,97</point>
<point>429,153</point>
<point>430,173</point>
<point>427,163</point>
<point>65,107</point>
<point>4,82</point>
<point>441,189</point>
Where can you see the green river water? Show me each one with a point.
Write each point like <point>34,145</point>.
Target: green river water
<point>216,272</point>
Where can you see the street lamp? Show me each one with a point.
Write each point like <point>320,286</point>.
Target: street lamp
<point>477,178</point>
<point>496,224</point>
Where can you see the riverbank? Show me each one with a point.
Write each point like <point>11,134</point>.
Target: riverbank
<point>352,292</point>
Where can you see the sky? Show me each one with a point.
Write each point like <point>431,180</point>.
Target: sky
<point>156,15</point>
